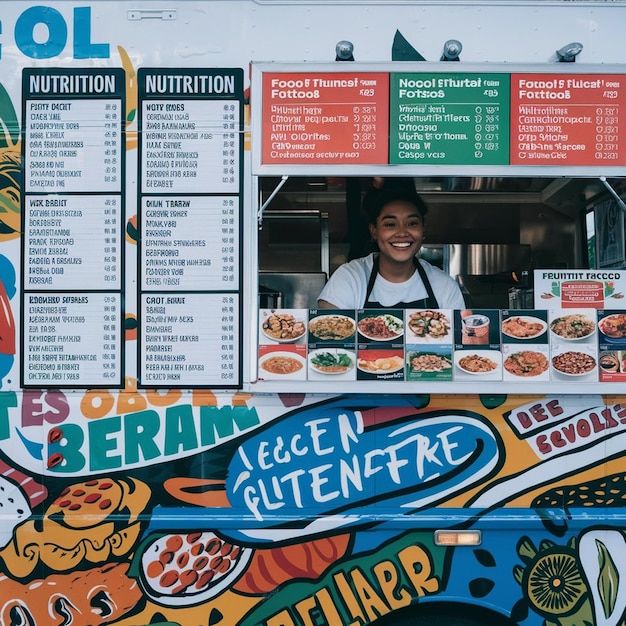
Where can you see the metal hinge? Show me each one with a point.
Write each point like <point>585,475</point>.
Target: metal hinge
<point>151,14</point>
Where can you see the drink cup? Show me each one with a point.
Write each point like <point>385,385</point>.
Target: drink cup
<point>475,330</point>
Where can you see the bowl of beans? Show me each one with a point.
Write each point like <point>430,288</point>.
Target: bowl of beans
<point>574,363</point>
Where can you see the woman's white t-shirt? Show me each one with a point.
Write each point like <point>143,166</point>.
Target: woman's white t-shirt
<point>347,287</point>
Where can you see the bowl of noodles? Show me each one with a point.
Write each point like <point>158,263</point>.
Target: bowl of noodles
<point>573,327</point>
<point>332,327</point>
<point>481,363</point>
<point>526,363</point>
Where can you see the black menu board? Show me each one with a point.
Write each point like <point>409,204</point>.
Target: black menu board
<point>189,210</point>
<point>73,156</point>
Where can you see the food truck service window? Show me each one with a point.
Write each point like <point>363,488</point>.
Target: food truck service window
<point>508,159</point>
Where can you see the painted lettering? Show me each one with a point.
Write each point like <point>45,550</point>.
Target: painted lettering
<point>8,399</point>
<point>111,443</point>
<point>37,19</point>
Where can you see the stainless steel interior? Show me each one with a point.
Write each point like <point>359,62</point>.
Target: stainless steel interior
<point>478,229</point>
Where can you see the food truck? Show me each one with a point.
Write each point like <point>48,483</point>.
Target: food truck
<point>186,438</point>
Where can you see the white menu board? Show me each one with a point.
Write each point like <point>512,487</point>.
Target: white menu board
<point>189,219</point>
<point>73,242</point>
<point>190,243</point>
<point>190,340</point>
<point>72,339</point>
<point>73,155</point>
<point>73,146</point>
<point>186,144</point>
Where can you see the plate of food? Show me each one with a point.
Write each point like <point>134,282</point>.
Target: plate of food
<point>526,363</point>
<point>375,362</point>
<point>478,362</point>
<point>331,361</point>
<point>573,327</point>
<point>429,325</point>
<point>383,327</point>
<point>609,361</point>
<point>428,362</point>
<point>283,327</point>
<point>280,365</point>
<point>574,363</point>
<point>613,327</point>
<point>523,327</point>
<point>332,327</point>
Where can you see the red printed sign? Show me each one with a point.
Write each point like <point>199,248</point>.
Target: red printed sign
<point>576,119</point>
<point>586,293</point>
<point>325,118</point>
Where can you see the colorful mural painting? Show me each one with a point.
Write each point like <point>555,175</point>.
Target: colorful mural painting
<point>133,506</point>
<point>252,512</point>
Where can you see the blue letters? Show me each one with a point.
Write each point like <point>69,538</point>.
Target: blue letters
<point>57,31</point>
<point>83,48</point>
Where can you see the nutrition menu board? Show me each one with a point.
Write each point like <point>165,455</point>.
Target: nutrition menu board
<point>189,218</point>
<point>72,207</point>
<point>424,114</point>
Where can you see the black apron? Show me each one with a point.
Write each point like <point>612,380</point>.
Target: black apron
<point>424,303</point>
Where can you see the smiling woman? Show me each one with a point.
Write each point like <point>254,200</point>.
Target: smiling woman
<point>393,277</point>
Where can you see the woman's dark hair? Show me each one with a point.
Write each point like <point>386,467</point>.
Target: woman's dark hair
<point>393,189</point>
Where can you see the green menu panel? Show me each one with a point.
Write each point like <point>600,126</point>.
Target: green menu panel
<point>449,119</point>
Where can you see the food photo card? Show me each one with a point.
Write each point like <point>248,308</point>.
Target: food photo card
<point>525,345</point>
<point>573,345</point>
<point>612,346</point>
<point>428,344</point>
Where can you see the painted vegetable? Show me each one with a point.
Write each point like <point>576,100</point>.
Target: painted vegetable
<point>269,568</point>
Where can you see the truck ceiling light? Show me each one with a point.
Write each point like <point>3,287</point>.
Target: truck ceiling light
<point>568,53</point>
<point>451,50</point>
<point>344,50</point>
<point>458,537</point>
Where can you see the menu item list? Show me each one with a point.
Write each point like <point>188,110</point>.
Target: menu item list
<point>72,339</point>
<point>190,243</point>
<point>325,117</point>
<point>73,225</point>
<point>64,135</point>
<point>575,119</point>
<point>449,118</point>
<point>190,214</point>
<point>177,327</point>
<point>185,143</point>
<point>70,236</point>
<point>443,118</point>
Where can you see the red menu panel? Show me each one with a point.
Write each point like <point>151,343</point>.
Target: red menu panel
<point>576,119</point>
<point>325,118</point>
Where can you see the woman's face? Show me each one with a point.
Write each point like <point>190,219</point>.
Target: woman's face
<point>399,231</point>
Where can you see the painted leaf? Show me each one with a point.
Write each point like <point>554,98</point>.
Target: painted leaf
<point>10,134</point>
<point>608,580</point>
